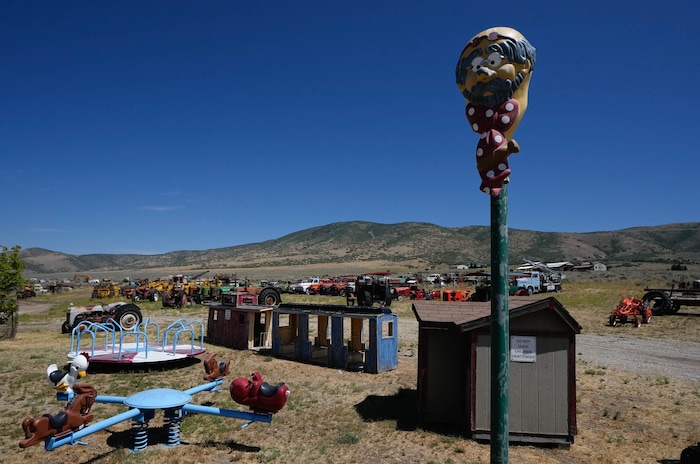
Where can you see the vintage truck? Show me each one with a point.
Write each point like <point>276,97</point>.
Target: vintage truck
<point>303,286</point>
<point>669,300</point>
<point>537,282</point>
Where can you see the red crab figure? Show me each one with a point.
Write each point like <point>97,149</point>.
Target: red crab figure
<point>260,396</point>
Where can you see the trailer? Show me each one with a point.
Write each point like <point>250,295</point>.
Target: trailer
<point>669,300</point>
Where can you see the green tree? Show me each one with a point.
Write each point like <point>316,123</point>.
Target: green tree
<point>11,267</point>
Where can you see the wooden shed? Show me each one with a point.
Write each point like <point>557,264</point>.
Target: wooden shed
<point>239,322</point>
<point>360,338</point>
<point>454,368</point>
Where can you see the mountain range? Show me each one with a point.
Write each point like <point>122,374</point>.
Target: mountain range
<point>410,244</point>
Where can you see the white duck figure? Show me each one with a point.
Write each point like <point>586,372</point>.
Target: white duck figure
<point>63,382</point>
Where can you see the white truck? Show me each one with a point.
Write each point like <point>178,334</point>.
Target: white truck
<point>537,282</point>
<point>303,286</point>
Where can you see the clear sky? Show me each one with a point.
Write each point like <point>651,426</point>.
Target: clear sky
<point>155,126</point>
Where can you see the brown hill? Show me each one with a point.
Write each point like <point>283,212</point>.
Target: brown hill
<point>410,245</point>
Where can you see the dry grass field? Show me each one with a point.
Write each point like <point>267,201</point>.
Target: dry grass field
<point>336,416</point>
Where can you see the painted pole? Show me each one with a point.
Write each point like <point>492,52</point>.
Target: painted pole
<point>499,327</point>
<point>493,74</point>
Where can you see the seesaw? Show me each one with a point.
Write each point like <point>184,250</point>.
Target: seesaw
<point>70,425</point>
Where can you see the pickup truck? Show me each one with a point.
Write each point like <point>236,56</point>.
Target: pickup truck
<point>303,286</point>
<point>536,282</point>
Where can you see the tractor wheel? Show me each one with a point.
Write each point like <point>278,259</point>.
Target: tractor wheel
<point>269,297</point>
<point>530,290</point>
<point>65,327</point>
<point>183,300</point>
<point>94,294</point>
<point>557,288</point>
<point>659,303</point>
<point>135,298</point>
<point>368,300</point>
<point>637,321</point>
<point>690,455</point>
<point>128,316</point>
<point>613,321</point>
<point>155,296</point>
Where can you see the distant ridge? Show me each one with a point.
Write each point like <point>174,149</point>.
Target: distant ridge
<point>413,243</point>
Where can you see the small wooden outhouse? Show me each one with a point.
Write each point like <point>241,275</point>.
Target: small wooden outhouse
<point>239,322</point>
<point>454,368</point>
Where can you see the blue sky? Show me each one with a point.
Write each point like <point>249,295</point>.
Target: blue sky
<point>150,126</point>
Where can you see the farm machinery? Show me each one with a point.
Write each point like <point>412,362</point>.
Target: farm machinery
<point>105,289</point>
<point>631,309</point>
<point>182,290</point>
<point>147,290</point>
<point>669,300</point>
<point>27,291</point>
<point>127,315</point>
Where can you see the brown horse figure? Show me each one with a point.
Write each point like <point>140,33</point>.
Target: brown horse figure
<point>213,369</point>
<point>74,416</point>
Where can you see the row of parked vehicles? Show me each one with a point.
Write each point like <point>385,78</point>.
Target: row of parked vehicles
<point>180,290</point>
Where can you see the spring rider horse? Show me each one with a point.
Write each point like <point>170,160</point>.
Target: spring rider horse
<point>76,413</point>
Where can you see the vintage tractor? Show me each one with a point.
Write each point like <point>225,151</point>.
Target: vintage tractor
<point>179,291</point>
<point>371,288</point>
<point>631,309</point>
<point>146,290</point>
<point>127,315</point>
<point>175,296</point>
<point>105,289</point>
<point>27,291</point>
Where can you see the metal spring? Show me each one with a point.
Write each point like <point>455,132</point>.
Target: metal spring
<point>173,430</point>
<point>139,435</point>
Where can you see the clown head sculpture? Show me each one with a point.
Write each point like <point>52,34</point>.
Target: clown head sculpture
<point>493,74</point>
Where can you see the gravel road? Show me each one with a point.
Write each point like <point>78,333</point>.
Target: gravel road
<point>663,357</point>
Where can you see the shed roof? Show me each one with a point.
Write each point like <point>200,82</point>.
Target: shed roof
<point>472,315</point>
<point>244,308</point>
<point>332,310</point>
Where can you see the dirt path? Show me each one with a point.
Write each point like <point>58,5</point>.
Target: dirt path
<point>33,307</point>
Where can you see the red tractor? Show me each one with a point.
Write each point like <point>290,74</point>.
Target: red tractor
<point>631,309</point>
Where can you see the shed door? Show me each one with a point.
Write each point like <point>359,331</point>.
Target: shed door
<point>538,394</point>
<point>444,384</point>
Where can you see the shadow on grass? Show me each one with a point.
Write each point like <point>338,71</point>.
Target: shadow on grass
<point>400,407</point>
<point>158,438</point>
<point>109,368</point>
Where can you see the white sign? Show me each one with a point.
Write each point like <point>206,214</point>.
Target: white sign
<point>523,349</point>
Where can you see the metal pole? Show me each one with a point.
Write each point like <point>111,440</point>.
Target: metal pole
<point>499,327</point>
